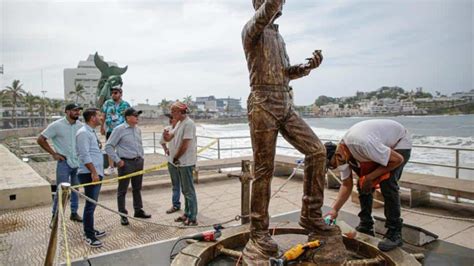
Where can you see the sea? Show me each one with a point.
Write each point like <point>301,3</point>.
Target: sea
<point>440,132</point>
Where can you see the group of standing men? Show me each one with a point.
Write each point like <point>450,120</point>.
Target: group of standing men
<point>80,159</point>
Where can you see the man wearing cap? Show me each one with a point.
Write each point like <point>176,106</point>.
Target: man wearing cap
<point>377,150</point>
<point>113,110</point>
<point>125,148</point>
<point>62,133</point>
<point>183,151</point>
<point>176,187</point>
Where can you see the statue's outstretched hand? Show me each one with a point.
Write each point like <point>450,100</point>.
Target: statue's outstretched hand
<point>315,61</point>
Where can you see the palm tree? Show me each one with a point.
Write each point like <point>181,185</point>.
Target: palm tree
<point>3,98</point>
<point>78,92</point>
<point>164,105</point>
<point>56,106</point>
<point>31,102</point>
<point>188,100</point>
<point>15,94</point>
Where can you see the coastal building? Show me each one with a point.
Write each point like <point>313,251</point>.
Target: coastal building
<point>229,105</point>
<point>148,110</point>
<point>87,74</point>
<point>212,106</point>
<point>466,95</point>
<point>206,104</point>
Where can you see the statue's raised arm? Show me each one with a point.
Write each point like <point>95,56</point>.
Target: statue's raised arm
<point>266,12</point>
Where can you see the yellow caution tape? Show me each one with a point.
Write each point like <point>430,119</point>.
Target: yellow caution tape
<point>141,172</point>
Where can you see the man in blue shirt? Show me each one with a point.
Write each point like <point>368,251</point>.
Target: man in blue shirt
<point>113,110</point>
<point>125,147</point>
<point>62,133</point>
<point>91,169</point>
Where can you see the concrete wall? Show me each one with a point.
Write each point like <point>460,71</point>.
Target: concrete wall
<point>20,185</point>
<point>20,132</point>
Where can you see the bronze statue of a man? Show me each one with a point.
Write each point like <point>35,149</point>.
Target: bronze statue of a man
<point>270,111</point>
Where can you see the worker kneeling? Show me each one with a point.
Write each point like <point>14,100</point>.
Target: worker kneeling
<point>376,150</point>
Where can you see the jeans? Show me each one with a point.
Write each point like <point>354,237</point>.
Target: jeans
<point>93,193</point>
<point>185,175</point>
<point>176,186</point>
<point>129,167</point>
<point>390,192</point>
<point>66,174</point>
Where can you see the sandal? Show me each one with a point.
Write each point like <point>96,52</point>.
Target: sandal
<point>189,222</point>
<point>172,209</point>
<point>181,218</point>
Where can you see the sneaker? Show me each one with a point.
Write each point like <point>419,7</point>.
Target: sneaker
<point>109,171</point>
<point>366,230</point>
<point>142,214</point>
<point>93,242</point>
<point>391,240</point>
<point>124,220</point>
<point>75,217</point>
<point>99,233</point>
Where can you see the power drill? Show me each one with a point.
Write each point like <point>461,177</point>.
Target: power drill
<point>208,236</point>
<point>295,252</point>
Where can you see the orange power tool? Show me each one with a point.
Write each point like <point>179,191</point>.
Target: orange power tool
<point>295,252</point>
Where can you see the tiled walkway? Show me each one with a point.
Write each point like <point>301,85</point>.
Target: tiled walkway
<point>24,233</point>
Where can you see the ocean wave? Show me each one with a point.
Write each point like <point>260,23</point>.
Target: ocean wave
<point>428,155</point>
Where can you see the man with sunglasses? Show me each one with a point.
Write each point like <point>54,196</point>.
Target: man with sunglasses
<point>377,150</point>
<point>113,110</point>
<point>125,147</point>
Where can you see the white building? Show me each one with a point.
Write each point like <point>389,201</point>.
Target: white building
<point>467,95</point>
<point>149,111</point>
<point>86,74</point>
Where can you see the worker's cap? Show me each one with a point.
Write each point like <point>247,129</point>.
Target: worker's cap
<point>73,106</point>
<point>130,111</point>
<point>179,105</point>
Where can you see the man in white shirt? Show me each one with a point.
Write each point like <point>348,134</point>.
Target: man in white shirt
<point>377,150</point>
<point>175,199</point>
<point>183,150</point>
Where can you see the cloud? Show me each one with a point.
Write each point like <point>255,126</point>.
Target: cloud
<point>176,48</point>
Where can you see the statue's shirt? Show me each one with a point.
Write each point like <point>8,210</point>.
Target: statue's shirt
<point>265,50</point>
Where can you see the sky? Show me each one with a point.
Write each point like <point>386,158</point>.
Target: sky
<point>176,48</point>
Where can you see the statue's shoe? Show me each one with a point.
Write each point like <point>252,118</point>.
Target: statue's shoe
<point>258,251</point>
<point>331,252</point>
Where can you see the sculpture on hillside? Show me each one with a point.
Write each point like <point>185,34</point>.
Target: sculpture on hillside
<point>270,111</point>
<point>107,80</point>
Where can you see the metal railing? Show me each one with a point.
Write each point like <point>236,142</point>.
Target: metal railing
<point>219,148</point>
<point>151,144</point>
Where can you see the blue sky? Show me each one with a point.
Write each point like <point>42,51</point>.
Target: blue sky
<point>176,48</point>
